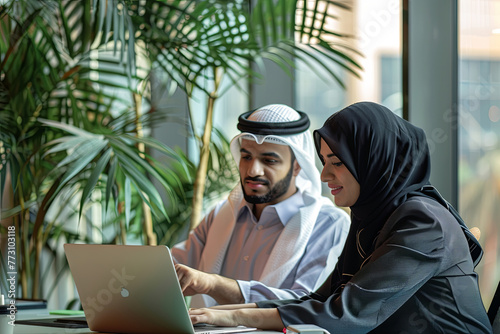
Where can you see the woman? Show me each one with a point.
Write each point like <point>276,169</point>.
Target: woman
<point>408,262</point>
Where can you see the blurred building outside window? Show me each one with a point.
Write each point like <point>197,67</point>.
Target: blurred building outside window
<point>479,131</point>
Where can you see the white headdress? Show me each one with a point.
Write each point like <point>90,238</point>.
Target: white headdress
<point>280,124</point>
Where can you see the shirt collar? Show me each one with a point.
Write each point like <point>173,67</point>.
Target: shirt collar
<point>285,209</point>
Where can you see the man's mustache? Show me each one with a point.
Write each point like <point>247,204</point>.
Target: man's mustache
<point>256,179</point>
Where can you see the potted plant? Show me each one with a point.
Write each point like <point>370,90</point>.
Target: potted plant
<point>74,81</point>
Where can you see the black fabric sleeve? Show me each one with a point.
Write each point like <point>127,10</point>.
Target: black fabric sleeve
<point>322,294</point>
<point>410,255</point>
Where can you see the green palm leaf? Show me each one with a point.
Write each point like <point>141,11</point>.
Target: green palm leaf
<point>309,20</point>
<point>85,147</point>
<point>69,127</point>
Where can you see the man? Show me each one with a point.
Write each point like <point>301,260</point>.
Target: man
<point>275,237</point>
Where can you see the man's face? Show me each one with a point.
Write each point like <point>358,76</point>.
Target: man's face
<point>267,172</point>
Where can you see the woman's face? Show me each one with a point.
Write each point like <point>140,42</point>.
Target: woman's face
<point>342,184</point>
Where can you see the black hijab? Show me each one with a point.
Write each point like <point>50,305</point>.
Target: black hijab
<point>389,157</point>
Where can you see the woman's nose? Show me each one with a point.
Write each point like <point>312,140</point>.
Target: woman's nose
<point>326,175</point>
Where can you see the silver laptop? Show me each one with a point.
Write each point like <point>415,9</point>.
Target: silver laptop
<point>132,289</point>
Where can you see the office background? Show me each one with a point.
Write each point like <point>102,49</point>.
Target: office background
<point>436,63</point>
<point>452,55</point>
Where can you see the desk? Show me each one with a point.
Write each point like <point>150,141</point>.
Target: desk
<point>30,329</point>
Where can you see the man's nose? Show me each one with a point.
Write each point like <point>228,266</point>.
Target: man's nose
<point>256,168</point>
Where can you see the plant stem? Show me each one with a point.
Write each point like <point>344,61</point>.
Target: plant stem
<point>24,253</point>
<point>201,172</point>
<point>37,238</point>
<point>147,222</point>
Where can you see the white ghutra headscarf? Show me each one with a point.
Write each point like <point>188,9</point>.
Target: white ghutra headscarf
<point>268,122</point>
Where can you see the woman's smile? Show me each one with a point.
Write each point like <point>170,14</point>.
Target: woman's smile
<point>335,189</point>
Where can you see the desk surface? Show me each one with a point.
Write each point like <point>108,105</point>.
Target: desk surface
<point>27,329</point>
<point>30,329</point>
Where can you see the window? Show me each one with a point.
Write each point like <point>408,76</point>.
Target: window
<point>377,27</point>
<point>479,131</point>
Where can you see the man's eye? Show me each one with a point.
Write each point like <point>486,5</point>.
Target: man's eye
<point>271,161</point>
<point>246,157</point>
<point>337,164</point>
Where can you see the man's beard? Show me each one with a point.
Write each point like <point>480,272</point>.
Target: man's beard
<point>279,189</point>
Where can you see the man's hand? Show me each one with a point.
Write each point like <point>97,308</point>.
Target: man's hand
<point>223,290</point>
<point>193,281</point>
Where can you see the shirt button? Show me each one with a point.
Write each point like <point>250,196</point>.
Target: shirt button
<point>245,258</point>
<point>259,227</point>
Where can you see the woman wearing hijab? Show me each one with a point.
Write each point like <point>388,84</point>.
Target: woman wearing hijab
<point>408,262</point>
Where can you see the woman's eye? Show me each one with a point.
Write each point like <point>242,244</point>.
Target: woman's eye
<point>246,157</point>
<point>337,164</point>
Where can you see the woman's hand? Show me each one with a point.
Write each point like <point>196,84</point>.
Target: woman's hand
<point>261,318</point>
<point>213,317</point>
<point>233,306</point>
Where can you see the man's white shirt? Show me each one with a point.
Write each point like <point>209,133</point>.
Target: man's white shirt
<point>252,241</point>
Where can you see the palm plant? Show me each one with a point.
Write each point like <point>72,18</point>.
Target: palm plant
<point>74,78</point>
<point>48,90</point>
<point>211,41</point>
